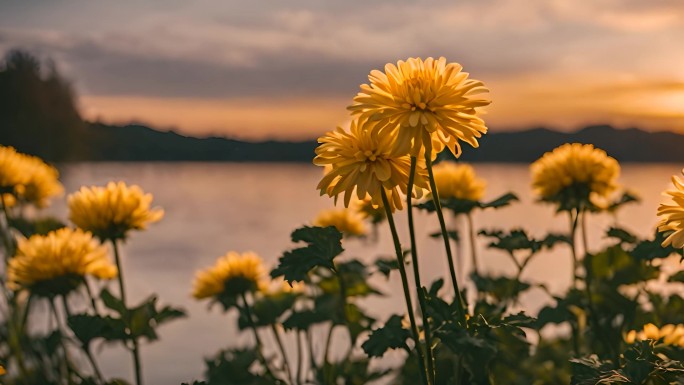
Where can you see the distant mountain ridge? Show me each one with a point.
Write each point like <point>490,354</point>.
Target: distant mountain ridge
<point>141,143</point>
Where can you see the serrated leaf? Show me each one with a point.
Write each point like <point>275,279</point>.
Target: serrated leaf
<point>501,201</point>
<point>324,244</point>
<point>452,234</point>
<point>621,235</point>
<point>113,303</point>
<point>390,336</point>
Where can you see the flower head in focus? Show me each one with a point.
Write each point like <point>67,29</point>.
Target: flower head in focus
<point>458,180</point>
<point>231,276</point>
<point>424,102</point>
<point>361,163</point>
<point>346,221</point>
<point>55,264</point>
<point>111,212</point>
<point>574,175</point>
<point>672,215</point>
<point>669,334</point>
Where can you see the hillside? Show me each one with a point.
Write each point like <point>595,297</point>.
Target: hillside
<point>140,143</point>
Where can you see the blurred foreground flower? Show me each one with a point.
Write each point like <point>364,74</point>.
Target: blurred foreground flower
<point>43,182</point>
<point>56,263</point>
<point>27,179</point>
<point>419,101</point>
<point>11,169</point>
<point>346,221</point>
<point>110,212</point>
<point>362,160</point>
<point>668,334</point>
<point>572,174</point>
<point>233,275</point>
<point>458,180</point>
<point>673,215</point>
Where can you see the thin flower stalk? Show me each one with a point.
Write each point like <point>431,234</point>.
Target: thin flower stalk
<point>407,294</point>
<point>257,339</point>
<point>445,235</point>
<point>85,348</point>
<point>416,273</point>
<point>281,347</point>
<point>135,351</point>
<point>473,244</point>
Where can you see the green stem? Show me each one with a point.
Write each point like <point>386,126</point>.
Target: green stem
<point>299,357</point>
<point>312,356</point>
<point>473,246</point>
<point>445,236</point>
<point>65,367</point>
<point>343,299</point>
<point>84,347</point>
<point>257,339</point>
<point>6,236</point>
<point>90,295</point>
<point>328,341</point>
<point>135,352</point>
<point>583,224</point>
<point>281,347</point>
<point>416,272</point>
<point>573,249</point>
<point>407,294</point>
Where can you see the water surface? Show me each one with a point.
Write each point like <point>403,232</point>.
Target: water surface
<point>212,208</point>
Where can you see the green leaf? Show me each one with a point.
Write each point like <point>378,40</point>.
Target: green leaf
<point>356,280</point>
<point>501,201</point>
<point>38,226</point>
<point>88,327</point>
<point>652,249</point>
<point>113,303</point>
<point>500,288</point>
<point>621,235</point>
<point>268,309</point>
<point>304,319</point>
<point>324,244</point>
<point>236,367</point>
<point>452,234</point>
<point>390,336</point>
<point>626,197</point>
<point>386,265</point>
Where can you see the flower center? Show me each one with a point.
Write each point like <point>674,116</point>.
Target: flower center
<point>366,156</point>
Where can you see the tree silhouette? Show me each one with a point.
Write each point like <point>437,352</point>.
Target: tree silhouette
<point>38,113</point>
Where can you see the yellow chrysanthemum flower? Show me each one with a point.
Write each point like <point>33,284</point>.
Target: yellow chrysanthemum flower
<point>672,215</point>
<point>361,160</point>
<point>458,180</point>
<point>668,334</point>
<point>346,221</point>
<point>110,212</point>
<point>27,179</point>
<point>12,169</point>
<point>421,101</point>
<point>56,263</point>
<point>2,370</point>
<point>576,166</point>
<point>43,182</point>
<point>232,275</point>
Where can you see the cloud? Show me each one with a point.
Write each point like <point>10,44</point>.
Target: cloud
<point>297,50</point>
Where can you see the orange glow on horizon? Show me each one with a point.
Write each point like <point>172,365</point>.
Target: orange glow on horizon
<point>517,103</point>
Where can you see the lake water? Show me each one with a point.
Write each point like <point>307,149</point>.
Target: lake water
<point>212,208</point>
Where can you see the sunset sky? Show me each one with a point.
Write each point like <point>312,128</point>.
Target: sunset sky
<point>288,68</point>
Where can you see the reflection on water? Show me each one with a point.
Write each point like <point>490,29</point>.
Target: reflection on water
<point>215,207</point>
